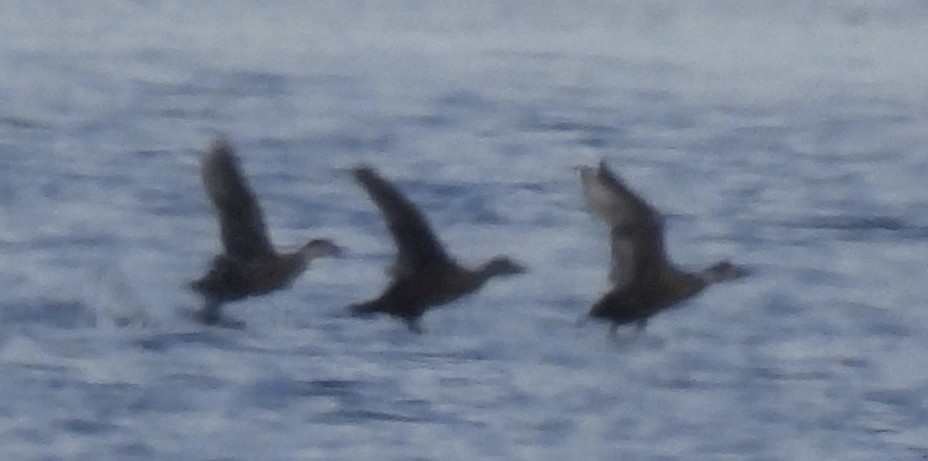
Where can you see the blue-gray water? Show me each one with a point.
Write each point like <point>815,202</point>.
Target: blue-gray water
<point>788,136</point>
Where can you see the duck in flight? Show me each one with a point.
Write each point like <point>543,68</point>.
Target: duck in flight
<point>424,274</point>
<point>644,281</point>
<point>249,265</point>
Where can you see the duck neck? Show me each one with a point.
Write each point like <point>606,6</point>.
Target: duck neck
<point>711,277</point>
<point>296,262</point>
<point>691,283</point>
<point>481,274</point>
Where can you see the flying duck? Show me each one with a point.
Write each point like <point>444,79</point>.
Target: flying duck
<point>424,275</point>
<point>249,265</point>
<point>644,281</point>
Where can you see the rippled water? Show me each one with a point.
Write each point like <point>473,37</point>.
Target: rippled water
<point>787,136</point>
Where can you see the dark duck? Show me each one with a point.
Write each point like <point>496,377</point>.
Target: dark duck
<point>644,281</point>
<point>249,265</point>
<point>424,274</point>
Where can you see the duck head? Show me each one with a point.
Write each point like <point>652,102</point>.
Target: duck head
<point>722,271</point>
<point>317,248</point>
<point>501,265</point>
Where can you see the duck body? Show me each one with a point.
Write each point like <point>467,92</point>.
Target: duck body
<point>409,297</point>
<point>636,303</point>
<point>230,279</point>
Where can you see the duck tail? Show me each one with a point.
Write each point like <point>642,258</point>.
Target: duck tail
<point>197,285</point>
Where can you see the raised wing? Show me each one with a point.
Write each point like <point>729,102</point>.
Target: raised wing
<point>241,221</point>
<point>636,227</point>
<point>417,244</point>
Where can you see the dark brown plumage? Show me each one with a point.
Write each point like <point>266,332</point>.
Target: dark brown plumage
<point>249,265</point>
<point>644,281</point>
<point>424,275</point>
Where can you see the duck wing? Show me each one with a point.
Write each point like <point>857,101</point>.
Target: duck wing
<point>241,222</point>
<point>636,227</point>
<point>417,244</point>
